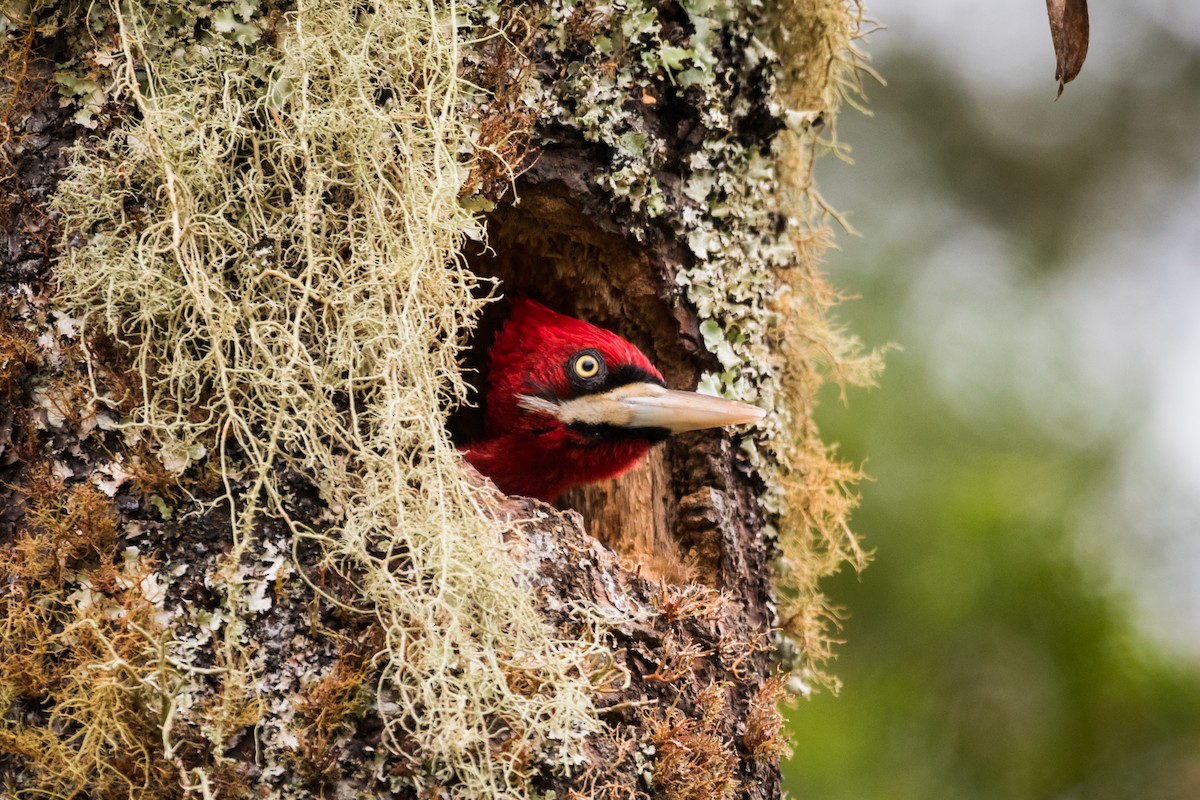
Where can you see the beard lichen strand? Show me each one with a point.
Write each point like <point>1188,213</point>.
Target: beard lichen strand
<point>814,490</point>
<point>310,269</point>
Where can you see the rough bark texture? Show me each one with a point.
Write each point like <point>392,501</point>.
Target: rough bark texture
<point>31,161</point>
<point>670,558</point>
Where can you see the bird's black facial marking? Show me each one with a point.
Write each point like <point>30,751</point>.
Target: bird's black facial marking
<point>630,373</point>
<point>615,433</point>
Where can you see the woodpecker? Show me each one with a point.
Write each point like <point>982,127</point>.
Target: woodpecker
<point>569,403</point>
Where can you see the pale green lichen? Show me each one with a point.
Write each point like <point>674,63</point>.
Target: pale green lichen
<point>276,238</point>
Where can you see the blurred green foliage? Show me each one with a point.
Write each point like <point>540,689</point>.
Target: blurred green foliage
<point>982,659</point>
<point>985,658</point>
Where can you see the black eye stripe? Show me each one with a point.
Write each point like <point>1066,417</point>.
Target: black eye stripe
<point>615,433</point>
<point>631,373</point>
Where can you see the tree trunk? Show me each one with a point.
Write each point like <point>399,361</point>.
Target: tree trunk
<point>187,609</point>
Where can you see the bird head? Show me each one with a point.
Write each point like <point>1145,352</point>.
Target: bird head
<point>569,403</point>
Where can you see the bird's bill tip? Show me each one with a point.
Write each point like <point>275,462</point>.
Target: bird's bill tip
<point>678,412</point>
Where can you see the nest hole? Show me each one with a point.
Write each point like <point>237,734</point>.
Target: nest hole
<point>548,249</point>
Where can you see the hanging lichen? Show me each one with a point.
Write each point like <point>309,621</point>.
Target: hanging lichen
<point>823,69</point>
<point>274,234</point>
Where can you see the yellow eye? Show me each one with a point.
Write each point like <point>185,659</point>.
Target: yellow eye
<point>587,366</point>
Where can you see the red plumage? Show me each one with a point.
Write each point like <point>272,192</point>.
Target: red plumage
<point>532,454</point>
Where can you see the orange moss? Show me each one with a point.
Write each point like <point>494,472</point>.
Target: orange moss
<point>66,525</point>
<point>602,778</point>
<point>18,350</point>
<point>80,645</point>
<point>22,87</point>
<point>691,760</point>
<point>677,603</point>
<point>764,737</point>
<point>328,707</point>
<point>677,660</point>
<point>148,477</point>
<point>736,651</point>
<point>503,145</point>
<point>816,40</point>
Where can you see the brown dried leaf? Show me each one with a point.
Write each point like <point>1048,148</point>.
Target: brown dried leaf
<point>1069,30</point>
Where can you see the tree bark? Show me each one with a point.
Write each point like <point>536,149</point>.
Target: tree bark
<point>671,559</point>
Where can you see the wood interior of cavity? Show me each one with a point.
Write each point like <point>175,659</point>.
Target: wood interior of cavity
<point>551,251</point>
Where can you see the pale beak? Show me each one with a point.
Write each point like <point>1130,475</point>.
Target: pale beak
<point>647,405</point>
<point>686,411</point>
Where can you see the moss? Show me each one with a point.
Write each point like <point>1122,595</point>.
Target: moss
<point>329,704</point>
<point>685,602</point>
<point>813,490</point>
<point>764,737</point>
<point>18,352</point>
<point>692,761</point>
<point>22,88</point>
<point>84,686</point>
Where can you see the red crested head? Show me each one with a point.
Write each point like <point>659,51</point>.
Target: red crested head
<point>532,356</point>
<point>569,403</point>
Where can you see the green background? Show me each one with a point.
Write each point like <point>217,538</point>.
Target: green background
<point>1028,627</point>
